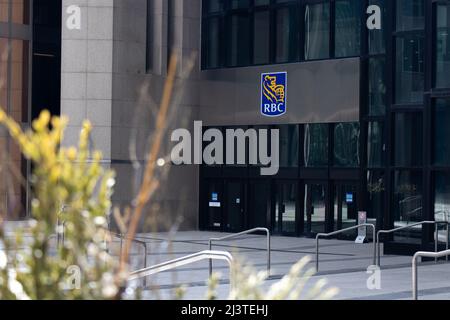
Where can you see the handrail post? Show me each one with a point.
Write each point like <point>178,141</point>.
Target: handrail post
<point>446,240</point>
<point>379,249</point>
<point>317,253</point>
<point>414,276</point>
<point>436,239</point>
<point>374,245</point>
<point>210,260</point>
<point>268,252</point>
<point>145,262</point>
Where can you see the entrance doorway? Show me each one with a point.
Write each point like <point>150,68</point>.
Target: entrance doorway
<point>235,214</point>
<point>285,213</point>
<point>345,208</point>
<point>315,213</point>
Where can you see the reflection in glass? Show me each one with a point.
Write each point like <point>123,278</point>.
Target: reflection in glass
<point>261,31</point>
<point>408,139</point>
<point>375,145</point>
<point>442,197</point>
<point>376,189</point>
<point>317,31</point>
<point>285,208</point>
<point>377,86</point>
<point>345,209</point>
<point>409,69</point>
<point>214,5</point>
<point>211,49</point>
<point>346,145</point>
<point>443,46</point>
<point>377,37</point>
<point>289,145</point>
<point>286,35</point>
<point>315,208</point>
<point>407,205</point>
<point>316,145</point>
<point>348,28</point>
<point>239,46</point>
<point>442,132</point>
<point>260,203</point>
<point>410,15</point>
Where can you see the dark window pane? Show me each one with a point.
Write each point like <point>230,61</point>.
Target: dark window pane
<point>316,145</point>
<point>213,6</point>
<point>377,38</point>
<point>375,189</point>
<point>289,145</point>
<point>442,197</point>
<point>407,205</point>
<point>286,35</point>
<point>262,2</point>
<point>443,47</point>
<point>410,15</point>
<point>239,4</point>
<point>261,31</point>
<point>409,69</point>
<point>348,28</point>
<point>408,139</point>
<point>442,132</point>
<point>211,48</point>
<point>377,86</point>
<point>346,145</point>
<point>317,31</point>
<point>375,145</point>
<point>239,47</point>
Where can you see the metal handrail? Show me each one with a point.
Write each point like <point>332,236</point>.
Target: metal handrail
<point>436,239</point>
<point>325,235</point>
<point>241,234</point>
<point>142,243</point>
<point>435,255</point>
<point>179,262</point>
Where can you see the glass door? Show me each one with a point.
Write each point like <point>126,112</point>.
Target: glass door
<point>315,208</point>
<point>259,203</point>
<point>214,205</point>
<point>235,206</point>
<point>345,208</point>
<point>284,220</point>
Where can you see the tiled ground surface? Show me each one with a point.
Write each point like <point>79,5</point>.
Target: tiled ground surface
<point>342,263</point>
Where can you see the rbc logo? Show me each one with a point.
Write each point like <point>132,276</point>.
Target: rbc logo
<point>273,94</point>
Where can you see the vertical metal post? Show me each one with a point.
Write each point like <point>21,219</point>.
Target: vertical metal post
<point>317,254</point>
<point>374,247</point>
<point>268,253</point>
<point>436,239</point>
<point>414,277</point>
<point>145,262</point>
<point>210,260</point>
<point>379,250</point>
<point>446,240</point>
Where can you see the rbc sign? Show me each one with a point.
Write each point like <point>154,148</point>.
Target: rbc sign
<point>273,94</point>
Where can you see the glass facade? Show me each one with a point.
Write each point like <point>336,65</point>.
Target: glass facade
<point>317,31</point>
<point>394,162</point>
<point>348,28</point>
<point>443,46</point>
<point>259,32</point>
<point>346,145</point>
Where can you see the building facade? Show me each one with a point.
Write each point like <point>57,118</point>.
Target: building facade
<point>366,123</point>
